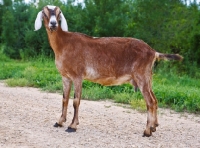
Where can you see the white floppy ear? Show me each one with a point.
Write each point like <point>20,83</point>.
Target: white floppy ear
<point>64,25</point>
<point>38,21</point>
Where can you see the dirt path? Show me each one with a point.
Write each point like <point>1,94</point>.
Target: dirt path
<point>27,116</point>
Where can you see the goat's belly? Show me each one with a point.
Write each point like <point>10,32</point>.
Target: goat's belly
<point>109,81</point>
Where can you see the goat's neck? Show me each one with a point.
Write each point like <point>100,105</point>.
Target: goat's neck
<point>55,40</point>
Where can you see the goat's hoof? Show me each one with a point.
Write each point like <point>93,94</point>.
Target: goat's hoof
<point>57,125</point>
<point>145,134</point>
<point>70,130</point>
<point>153,129</point>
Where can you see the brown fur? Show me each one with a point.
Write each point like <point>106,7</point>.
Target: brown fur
<point>108,61</point>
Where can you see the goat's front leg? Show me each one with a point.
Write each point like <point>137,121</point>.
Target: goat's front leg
<point>66,92</point>
<point>76,102</point>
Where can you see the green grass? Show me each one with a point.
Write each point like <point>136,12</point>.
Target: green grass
<point>40,73</point>
<point>180,93</point>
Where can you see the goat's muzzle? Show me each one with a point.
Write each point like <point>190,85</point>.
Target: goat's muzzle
<point>53,25</point>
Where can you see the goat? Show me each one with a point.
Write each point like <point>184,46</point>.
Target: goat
<point>105,60</point>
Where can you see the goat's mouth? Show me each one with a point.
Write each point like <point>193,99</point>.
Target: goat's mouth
<point>53,28</point>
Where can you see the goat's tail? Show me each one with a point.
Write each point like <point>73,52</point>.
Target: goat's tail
<point>168,56</point>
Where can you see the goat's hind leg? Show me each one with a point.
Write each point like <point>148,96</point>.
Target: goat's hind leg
<point>136,89</point>
<point>151,103</point>
<point>66,92</point>
<point>155,111</point>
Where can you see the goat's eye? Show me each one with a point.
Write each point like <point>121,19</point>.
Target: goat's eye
<point>58,17</point>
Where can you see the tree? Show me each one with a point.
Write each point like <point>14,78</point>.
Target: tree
<point>1,14</point>
<point>107,16</point>
<point>8,32</point>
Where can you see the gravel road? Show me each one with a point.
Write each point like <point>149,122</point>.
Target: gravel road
<point>27,116</point>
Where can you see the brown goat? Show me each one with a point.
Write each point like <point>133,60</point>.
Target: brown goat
<point>106,60</point>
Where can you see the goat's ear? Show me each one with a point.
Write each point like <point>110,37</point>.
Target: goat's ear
<point>38,21</point>
<point>64,25</point>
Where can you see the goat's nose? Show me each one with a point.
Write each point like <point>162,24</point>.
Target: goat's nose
<point>53,23</point>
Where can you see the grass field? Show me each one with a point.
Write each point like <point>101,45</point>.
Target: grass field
<point>178,92</point>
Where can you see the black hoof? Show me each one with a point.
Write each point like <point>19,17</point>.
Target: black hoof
<point>153,129</point>
<point>70,130</point>
<point>57,125</point>
<point>146,135</point>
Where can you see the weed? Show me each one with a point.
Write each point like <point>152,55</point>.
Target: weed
<point>139,104</point>
<point>97,93</point>
<point>18,82</point>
